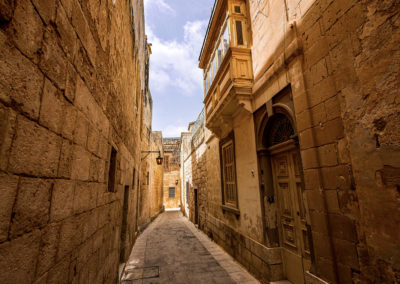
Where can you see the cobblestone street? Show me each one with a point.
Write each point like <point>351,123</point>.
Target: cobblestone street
<point>172,250</point>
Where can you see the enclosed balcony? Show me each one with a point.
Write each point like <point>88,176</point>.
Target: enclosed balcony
<point>226,62</point>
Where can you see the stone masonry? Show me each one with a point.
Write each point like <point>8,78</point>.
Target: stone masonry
<point>72,85</point>
<point>331,67</point>
<point>172,163</point>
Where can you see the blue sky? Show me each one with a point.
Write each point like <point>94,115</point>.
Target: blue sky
<point>176,29</point>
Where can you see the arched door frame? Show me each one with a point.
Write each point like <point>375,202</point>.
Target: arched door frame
<point>272,237</point>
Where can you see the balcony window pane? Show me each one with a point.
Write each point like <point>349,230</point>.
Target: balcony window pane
<point>214,66</point>
<point>239,33</point>
<point>219,54</point>
<point>210,79</point>
<point>207,81</point>
<point>225,39</point>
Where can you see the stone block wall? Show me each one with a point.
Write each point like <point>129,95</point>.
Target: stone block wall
<point>172,173</point>
<point>71,79</point>
<point>346,101</point>
<point>347,138</point>
<point>263,262</point>
<point>151,174</point>
<point>151,181</point>
<point>169,181</point>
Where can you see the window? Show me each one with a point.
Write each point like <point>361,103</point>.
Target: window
<point>112,170</point>
<point>219,55</point>
<point>171,192</point>
<point>237,9</point>
<point>220,49</point>
<point>166,163</point>
<point>225,40</point>
<point>148,178</point>
<point>133,178</point>
<point>187,192</point>
<point>239,33</point>
<point>229,171</point>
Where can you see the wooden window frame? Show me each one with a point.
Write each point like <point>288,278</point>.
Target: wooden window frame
<point>231,206</point>
<point>166,163</point>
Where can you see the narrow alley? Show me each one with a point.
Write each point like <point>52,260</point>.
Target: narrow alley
<point>199,141</point>
<point>173,250</point>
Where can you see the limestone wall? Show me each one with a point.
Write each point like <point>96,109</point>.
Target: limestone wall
<point>339,60</point>
<point>151,174</point>
<point>346,101</point>
<point>71,85</point>
<point>186,171</point>
<point>172,172</point>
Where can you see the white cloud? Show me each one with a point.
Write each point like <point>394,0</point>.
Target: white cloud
<point>174,64</point>
<point>161,5</point>
<point>173,131</point>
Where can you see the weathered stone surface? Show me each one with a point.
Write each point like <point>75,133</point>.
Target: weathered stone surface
<point>80,164</point>
<point>68,125</point>
<point>27,29</point>
<point>52,108</point>
<point>57,124</point>
<point>67,33</point>
<point>6,10</point>
<point>46,9</point>
<point>59,273</point>
<point>84,197</point>
<point>70,83</point>
<point>70,236</point>
<point>81,129</point>
<point>53,61</point>
<point>22,86</point>
<point>18,259</point>
<point>32,206</point>
<point>8,119</point>
<point>48,248</point>
<point>8,192</point>
<point>62,201</point>
<point>83,31</point>
<point>35,150</point>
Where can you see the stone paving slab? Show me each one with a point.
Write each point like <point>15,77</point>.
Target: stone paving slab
<point>173,250</point>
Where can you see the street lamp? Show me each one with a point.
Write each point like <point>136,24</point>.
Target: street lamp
<point>159,159</point>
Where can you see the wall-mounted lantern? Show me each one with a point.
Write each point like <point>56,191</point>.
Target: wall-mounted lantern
<point>159,159</point>
<point>176,182</point>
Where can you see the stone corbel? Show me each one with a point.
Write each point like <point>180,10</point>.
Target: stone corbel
<point>244,101</point>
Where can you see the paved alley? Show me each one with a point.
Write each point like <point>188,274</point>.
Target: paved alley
<point>173,250</point>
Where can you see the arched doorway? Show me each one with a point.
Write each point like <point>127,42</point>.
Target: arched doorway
<point>279,140</point>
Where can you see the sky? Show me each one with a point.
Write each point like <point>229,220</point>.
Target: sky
<point>176,29</point>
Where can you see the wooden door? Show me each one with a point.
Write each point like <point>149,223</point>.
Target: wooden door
<point>196,208</point>
<point>292,214</point>
<point>125,209</point>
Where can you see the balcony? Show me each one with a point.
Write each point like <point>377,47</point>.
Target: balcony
<point>226,61</point>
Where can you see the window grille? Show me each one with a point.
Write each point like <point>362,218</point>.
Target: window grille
<point>171,192</point>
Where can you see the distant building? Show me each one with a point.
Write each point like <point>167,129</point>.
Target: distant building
<point>172,163</point>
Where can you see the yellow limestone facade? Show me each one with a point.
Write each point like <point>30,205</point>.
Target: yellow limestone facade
<point>74,107</point>
<point>302,160</point>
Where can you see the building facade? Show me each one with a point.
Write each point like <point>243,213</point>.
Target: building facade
<point>194,184</point>
<point>73,84</point>
<point>302,162</point>
<point>150,202</point>
<point>172,173</point>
